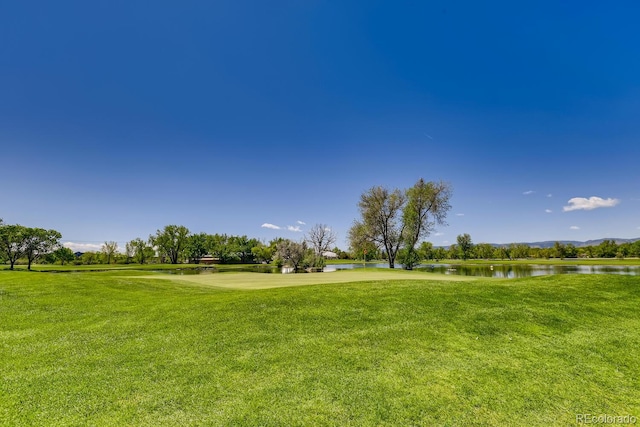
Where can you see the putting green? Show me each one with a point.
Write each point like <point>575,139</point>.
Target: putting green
<point>245,280</point>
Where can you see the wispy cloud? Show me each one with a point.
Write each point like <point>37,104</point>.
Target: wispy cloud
<point>548,210</point>
<point>301,222</point>
<point>574,227</point>
<point>271,226</point>
<point>549,195</point>
<point>581,203</point>
<point>439,234</point>
<point>428,136</point>
<point>82,247</point>
<point>294,228</point>
<point>526,193</point>
<point>459,214</point>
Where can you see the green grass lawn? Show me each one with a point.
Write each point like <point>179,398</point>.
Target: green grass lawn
<point>110,349</point>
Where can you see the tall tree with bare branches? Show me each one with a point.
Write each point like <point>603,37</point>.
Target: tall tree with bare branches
<point>320,237</point>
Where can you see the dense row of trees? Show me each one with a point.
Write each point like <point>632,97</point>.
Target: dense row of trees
<point>393,225</point>
<point>464,249</point>
<point>17,241</point>
<point>175,244</point>
<point>172,244</point>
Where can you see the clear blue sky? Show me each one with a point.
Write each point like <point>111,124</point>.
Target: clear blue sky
<point>120,117</point>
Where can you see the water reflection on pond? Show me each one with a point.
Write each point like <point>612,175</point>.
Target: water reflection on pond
<point>482,270</point>
<point>505,270</point>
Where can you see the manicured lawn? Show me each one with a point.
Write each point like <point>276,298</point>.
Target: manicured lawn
<point>109,349</point>
<point>244,280</point>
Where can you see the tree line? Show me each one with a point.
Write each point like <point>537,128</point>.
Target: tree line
<point>172,244</point>
<point>464,249</point>
<point>18,241</point>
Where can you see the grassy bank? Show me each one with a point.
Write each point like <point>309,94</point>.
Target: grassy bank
<point>108,349</point>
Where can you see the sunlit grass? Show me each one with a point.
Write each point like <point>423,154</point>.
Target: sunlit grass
<point>107,349</point>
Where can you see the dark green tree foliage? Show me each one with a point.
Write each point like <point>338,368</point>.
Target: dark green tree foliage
<point>262,253</point>
<point>427,206</point>
<point>409,257</point>
<point>394,219</point>
<point>241,247</point>
<point>559,250</point>
<point>291,253</point>
<point>220,246</point>
<point>12,240</point>
<point>425,250</point>
<point>465,246</point>
<point>141,250</point>
<point>360,245</point>
<point>171,242</point>
<point>63,255</point>
<point>109,250</point>
<point>606,249</point>
<point>485,251</point>
<point>38,242</point>
<point>196,247</point>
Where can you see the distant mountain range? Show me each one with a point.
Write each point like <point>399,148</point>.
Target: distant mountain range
<point>577,244</point>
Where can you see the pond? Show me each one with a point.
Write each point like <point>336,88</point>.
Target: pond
<point>482,270</point>
<point>509,271</point>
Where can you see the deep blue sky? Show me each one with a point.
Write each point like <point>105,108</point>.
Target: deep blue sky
<point>120,117</point>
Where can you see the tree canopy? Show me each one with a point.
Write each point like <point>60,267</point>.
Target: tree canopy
<point>392,219</point>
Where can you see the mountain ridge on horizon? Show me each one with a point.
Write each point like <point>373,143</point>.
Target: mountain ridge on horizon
<point>576,243</point>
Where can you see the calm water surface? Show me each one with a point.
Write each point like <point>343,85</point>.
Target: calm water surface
<point>505,270</point>
<point>499,270</point>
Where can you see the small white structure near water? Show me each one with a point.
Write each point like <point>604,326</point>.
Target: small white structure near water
<point>330,255</point>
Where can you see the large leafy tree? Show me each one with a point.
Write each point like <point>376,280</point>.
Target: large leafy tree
<point>38,242</point>
<point>64,254</point>
<point>262,253</point>
<point>464,246</point>
<point>291,253</point>
<point>140,250</point>
<point>196,247</point>
<point>241,246</point>
<point>381,222</point>
<point>109,249</point>
<point>427,206</point>
<point>220,246</point>
<point>12,242</point>
<point>171,241</point>
<point>392,219</point>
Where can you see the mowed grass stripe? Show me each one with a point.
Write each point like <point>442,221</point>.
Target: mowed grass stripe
<point>103,349</point>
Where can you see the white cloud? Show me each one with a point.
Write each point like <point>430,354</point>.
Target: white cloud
<point>271,226</point>
<point>526,193</point>
<point>549,195</point>
<point>301,222</point>
<point>82,247</point>
<point>578,203</point>
<point>295,229</point>
<point>439,234</point>
<point>574,227</point>
<point>460,214</point>
<point>548,210</point>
